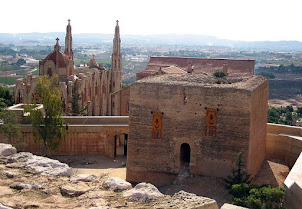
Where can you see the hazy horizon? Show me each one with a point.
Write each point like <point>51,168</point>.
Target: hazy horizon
<point>233,20</point>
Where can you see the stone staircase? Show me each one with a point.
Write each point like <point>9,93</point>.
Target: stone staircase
<point>183,175</point>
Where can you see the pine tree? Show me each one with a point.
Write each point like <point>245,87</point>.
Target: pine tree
<point>239,175</point>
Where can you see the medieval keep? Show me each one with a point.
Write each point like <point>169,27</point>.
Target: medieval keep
<point>195,122</point>
<point>96,85</point>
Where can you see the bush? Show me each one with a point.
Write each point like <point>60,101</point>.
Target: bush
<point>268,74</point>
<point>219,74</point>
<point>255,197</point>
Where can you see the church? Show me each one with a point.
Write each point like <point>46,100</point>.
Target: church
<point>99,89</point>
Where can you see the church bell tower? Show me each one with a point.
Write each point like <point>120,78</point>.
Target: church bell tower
<point>116,63</point>
<point>116,73</point>
<point>68,49</point>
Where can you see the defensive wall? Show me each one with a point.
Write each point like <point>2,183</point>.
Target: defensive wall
<point>285,143</point>
<point>96,136</point>
<point>86,135</point>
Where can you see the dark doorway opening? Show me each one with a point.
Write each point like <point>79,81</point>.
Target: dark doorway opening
<point>185,153</point>
<point>120,145</point>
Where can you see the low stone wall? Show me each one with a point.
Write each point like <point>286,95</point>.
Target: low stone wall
<point>85,136</point>
<point>293,186</point>
<point>283,142</point>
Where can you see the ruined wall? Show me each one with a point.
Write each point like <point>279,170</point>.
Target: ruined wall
<point>184,122</point>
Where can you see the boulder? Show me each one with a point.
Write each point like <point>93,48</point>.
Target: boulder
<point>143,191</point>
<point>7,149</point>
<point>188,200</point>
<point>46,166</point>
<point>19,157</point>
<point>10,174</point>
<point>230,206</point>
<point>117,184</point>
<point>20,186</point>
<point>4,207</point>
<point>74,190</point>
<point>85,178</point>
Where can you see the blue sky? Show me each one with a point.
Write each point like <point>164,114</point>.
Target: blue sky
<point>230,19</point>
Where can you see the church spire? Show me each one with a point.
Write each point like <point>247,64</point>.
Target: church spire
<point>68,42</point>
<point>117,42</point>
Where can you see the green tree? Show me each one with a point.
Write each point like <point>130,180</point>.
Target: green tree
<point>76,97</point>
<point>9,128</point>
<point>299,110</point>
<point>239,175</point>
<point>6,98</point>
<point>48,123</point>
<point>289,108</point>
<point>20,62</point>
<point>273,115</point>
<point>255,197</point>
<point>289,117</point>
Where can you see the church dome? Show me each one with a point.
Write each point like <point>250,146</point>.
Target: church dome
<point>57,57</point>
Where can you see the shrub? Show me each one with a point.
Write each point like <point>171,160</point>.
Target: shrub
<point>220,74</point>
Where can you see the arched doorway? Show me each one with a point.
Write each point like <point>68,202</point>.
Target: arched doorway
<point>185,154</point>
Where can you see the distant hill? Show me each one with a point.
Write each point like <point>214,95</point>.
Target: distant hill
<point>160,39</point>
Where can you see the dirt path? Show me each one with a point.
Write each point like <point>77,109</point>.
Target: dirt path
<point>97,165</point>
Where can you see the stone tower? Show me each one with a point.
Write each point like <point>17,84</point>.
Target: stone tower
<point>116,71</point>
<point>68,49</point>
<point>68,42</point>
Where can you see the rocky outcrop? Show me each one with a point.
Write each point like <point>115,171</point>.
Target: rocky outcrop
<point>40,165</point>
<point>19,157</point>
<point>85,178</point>
<point>187,200</point>
<point>4,207</point>
<point>46,166</point>
<point>74,190</point>
<point>20,186</point>
<point>10,174</point>
<point>230,206</point>
<point>7,149</point>
<point>117,184</point>
<point>143,191</point>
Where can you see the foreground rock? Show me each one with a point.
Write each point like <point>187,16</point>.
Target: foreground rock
<point>74,190</point>
<point>143,191</point>
<point>7,149</point>
<point>19,157</point>
<point>46,166</point>
<point>85,178</point>
<point>4,207</point>
<point>20,186</point>
<point>117,184</point>
<point>187,200</point>
<point>230,206</point>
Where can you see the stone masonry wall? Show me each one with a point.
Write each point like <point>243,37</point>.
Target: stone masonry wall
<point>258,128</point>
<point>80,140</point>
<point>184,122</point>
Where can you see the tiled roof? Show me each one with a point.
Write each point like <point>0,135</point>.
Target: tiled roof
<point>63,59</point>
